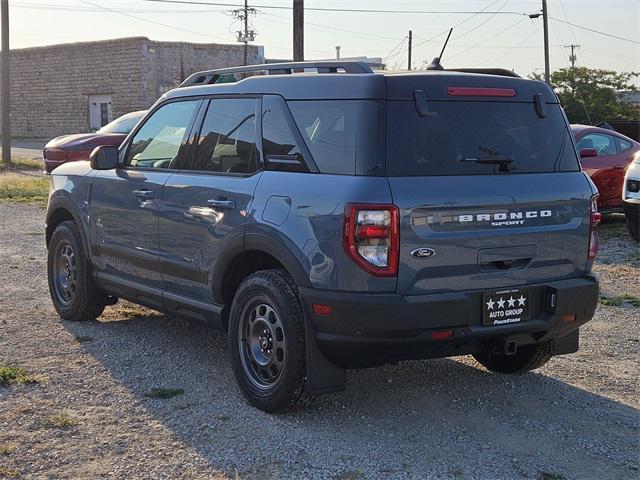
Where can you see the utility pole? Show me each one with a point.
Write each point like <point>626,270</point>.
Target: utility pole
<point>298,30</point>
<point>410,46</point>
<point>573,57</point>
<point>245,36</point>
<point>545,25</point>
<point>5,80</point>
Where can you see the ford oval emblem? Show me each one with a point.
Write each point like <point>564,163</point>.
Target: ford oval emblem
<point>423,252</point>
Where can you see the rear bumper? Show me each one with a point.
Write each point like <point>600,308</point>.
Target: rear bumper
<point>371,329</point>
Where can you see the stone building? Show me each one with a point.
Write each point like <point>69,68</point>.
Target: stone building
<point>79,87</point>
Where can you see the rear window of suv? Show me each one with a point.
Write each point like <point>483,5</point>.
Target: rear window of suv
<point>476,138</point>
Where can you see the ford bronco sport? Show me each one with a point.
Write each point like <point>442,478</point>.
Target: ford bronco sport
<point>328,217</point>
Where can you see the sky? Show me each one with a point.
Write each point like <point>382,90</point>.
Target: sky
<point>500,36</point>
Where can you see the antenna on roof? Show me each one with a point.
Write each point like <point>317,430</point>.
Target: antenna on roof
<point>435,63</point>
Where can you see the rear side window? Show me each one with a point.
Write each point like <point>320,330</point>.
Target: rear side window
<point>227,141</point>
<point>279,143</point>
<point>328,128</point>
<point>344,136</point>
<point>475,138</point>
<point>623,145</point>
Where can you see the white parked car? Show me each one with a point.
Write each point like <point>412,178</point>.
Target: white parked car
<point>631,197</point>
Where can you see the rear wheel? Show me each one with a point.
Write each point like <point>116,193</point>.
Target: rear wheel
<point>73,293</point>
<point>526,358</point>
<point>267,342</point>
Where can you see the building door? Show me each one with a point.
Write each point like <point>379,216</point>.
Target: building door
<point>99,111</point>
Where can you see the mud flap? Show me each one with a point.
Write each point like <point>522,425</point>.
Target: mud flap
<point>567,344</point>
<point>323,376</point>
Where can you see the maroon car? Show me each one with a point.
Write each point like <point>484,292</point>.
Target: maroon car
<point>70,148</point>
<point>605,156</point>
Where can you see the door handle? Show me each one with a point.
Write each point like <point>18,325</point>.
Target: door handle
<point>222,203</point>
<point>143,194</point>
<point>618,167</point>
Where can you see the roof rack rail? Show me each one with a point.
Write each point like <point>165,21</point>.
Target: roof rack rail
<point>503,72</point>
<point>208,77</point>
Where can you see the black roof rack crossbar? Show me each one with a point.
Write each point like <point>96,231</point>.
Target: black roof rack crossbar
<point>503,72</point>
<point>208,77</point>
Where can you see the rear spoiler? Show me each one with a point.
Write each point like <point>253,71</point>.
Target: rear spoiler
<point>502,72</point>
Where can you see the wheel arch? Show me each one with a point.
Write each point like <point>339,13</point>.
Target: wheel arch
<point>61,209</point>
<point>256,252</point>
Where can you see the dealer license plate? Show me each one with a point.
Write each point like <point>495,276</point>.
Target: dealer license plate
<point>510,305</point>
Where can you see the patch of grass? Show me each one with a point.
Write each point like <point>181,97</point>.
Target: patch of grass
<point>6,472</point>
<point>351,475</point>
<point>164,393</point>
<point>620,301</point>
<point>611,301</point>
<point>550,476</point>
<point>23,188</point>
<point>60,420</point>
<point>7,449</point>
<point>23,163</point>
<point>10,374</point>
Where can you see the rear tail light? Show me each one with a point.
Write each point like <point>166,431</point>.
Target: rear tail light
<point>594,219</point>
<point>371,238</point>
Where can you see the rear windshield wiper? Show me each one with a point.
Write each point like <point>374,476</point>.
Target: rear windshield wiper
<point>497,160</point>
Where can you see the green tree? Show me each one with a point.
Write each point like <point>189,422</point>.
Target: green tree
<point>590,96</point>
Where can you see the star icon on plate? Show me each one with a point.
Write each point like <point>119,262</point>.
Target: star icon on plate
<point>490,304</point>
<point>512,301</point>
<point>521,300</point>
<point>501,303</point>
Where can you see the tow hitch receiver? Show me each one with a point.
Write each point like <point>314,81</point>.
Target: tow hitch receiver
<point>509,347</point>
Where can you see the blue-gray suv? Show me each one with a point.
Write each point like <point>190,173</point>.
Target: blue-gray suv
<point>327,217</point>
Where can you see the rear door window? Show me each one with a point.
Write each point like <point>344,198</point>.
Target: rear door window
<point>604,144</point>
<point>475,138</point>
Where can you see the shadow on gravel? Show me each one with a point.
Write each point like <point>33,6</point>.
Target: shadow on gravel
<point>437,418</point>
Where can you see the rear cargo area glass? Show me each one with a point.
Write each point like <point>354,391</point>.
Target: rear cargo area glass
<point>462,137</point>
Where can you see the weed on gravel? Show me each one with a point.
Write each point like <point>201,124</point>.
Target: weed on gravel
<point>620,300</point>
<point>61,421</point>
<point>10,374</point>
<point>6,472</point>
<point>6,449</point>
<point>164,393</point>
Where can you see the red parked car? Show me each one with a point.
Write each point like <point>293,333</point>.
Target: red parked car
<point>605,156</point>
<point>70,148</point>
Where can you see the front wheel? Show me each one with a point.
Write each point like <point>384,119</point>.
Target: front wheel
<point>267,342</point>
<point>73,293</point>
<point>526,358</point>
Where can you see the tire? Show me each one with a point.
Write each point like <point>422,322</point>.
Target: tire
<point>73,292</point>
<point>526,358</point>
<point>267,342</point>
<point>633,226</point>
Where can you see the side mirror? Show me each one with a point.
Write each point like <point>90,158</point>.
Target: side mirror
<point>104,157</point>
<point>588,152</point>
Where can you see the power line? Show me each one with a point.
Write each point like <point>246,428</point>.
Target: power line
<point>151,21</point>
<point>520,20</point>
<point>325,9</point>
<point>595,31</point>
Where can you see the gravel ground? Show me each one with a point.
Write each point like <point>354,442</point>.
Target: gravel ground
<point>90,415</point>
